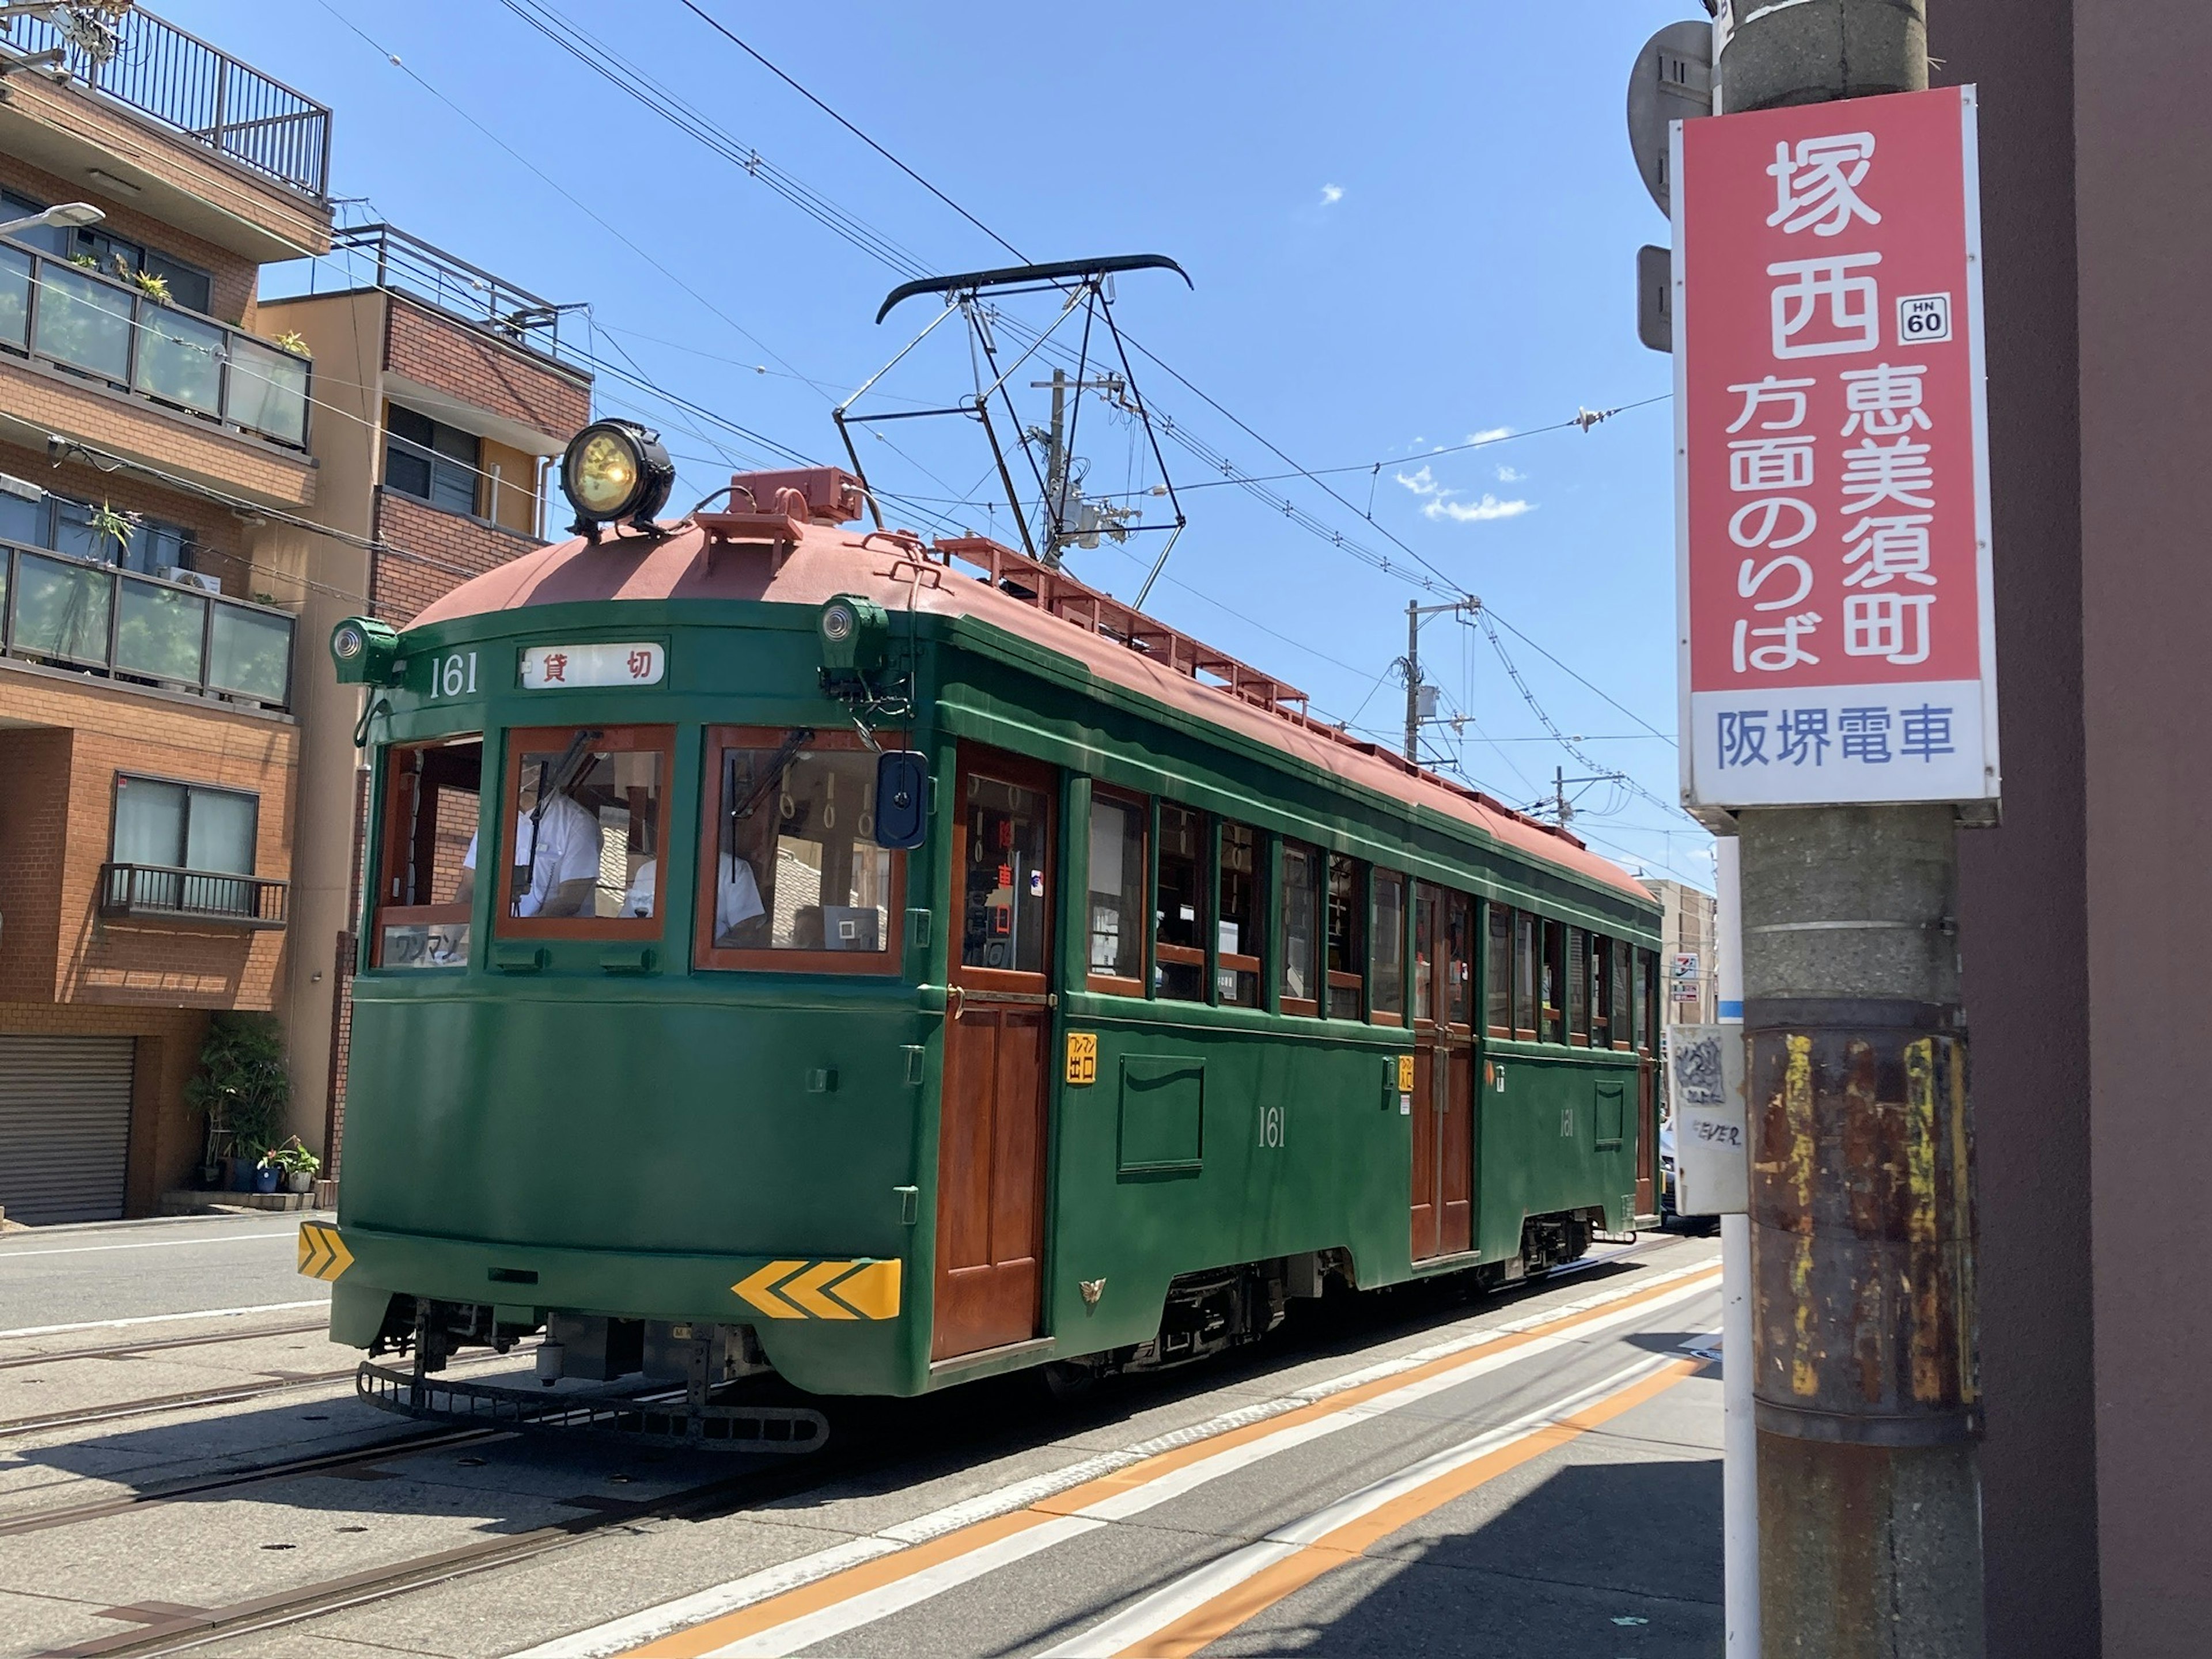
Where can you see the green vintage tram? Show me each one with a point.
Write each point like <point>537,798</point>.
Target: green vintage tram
<point>1165,1003</point>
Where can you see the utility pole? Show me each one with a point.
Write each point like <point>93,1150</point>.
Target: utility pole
<point>1414,681</point>
<point>1560,795</point>
<point>1869,1529</point>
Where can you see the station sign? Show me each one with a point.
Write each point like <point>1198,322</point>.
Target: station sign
<point>1837,631</point>
<point>556,667</point>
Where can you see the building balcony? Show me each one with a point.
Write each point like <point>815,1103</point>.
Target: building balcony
<point>246,158</point>
<point>81,615</point>
<point>160,892</point>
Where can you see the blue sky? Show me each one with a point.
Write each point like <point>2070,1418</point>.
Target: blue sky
<point>1406,226</point>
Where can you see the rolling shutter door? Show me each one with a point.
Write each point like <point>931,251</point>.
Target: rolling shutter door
<point>64,1126</point>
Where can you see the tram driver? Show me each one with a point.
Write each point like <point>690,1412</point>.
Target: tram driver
<point>736,897</point>
<point>562,877</point>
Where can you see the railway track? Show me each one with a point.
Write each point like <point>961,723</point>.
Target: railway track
<point>131,1350</point>
<point>169,1403</point>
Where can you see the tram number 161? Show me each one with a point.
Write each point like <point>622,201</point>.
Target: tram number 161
<point>453,675</point>
<point>1271,1126</point>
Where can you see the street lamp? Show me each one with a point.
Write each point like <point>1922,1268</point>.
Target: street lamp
<point>68,216</point>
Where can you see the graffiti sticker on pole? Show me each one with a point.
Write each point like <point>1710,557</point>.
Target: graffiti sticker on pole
<point>1832,506</point>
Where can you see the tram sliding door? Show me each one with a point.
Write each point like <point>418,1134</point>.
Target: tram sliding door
<point>998,1035</point>
<point>1445,1099</point>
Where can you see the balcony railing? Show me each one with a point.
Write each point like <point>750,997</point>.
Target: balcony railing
<point>412,265</point>
<point>200,91</point>
<point>110,330</point>
<point>81,614</point>
<point>162,891</point>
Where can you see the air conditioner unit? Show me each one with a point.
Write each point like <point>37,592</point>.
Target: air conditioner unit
<point>199,579</point>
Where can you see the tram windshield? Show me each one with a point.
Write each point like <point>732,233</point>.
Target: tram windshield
<point>584,841</point>
<point>796,868</point>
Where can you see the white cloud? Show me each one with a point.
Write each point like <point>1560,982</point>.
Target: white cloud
<point>1331,195</point>
<point>1479,512</point>
<point>1490,434</point>
<point>1508,475</point>
<point>1440,501</point>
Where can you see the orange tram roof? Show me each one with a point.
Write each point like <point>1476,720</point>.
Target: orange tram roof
<point>785,540</point>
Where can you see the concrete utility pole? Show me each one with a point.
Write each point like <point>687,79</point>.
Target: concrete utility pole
<point>1414,681</point>
<point>1868,1498</point>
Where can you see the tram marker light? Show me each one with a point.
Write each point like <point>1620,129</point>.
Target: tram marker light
<point>615,469</point>
<point>856,638</point>
<point>901,799</point>
<point>363,651</point>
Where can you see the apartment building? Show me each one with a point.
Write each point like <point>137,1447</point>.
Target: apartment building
<point>1687,961</point>
<point>195,485</point>
<point>442,402</point>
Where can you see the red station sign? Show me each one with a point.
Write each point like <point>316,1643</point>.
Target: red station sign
<point>1832,491</point>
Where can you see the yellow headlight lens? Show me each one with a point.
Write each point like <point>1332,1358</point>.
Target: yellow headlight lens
<point>603,474</point>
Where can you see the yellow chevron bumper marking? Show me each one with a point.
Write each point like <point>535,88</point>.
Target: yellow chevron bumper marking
<point>806,1289</point>
<point>323,1253</point>
<point>824,1290</point>
<point>757,1289</point>
<point>872,1291</point>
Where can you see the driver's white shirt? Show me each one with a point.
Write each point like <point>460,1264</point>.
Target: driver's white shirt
<point>567,850</point>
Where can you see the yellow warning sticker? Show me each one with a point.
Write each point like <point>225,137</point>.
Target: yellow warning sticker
<point>1083,1056</point>
<point>1405,1074</point>
<point>824,1290</point>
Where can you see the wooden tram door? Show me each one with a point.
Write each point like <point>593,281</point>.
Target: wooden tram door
<point>1443,1074</point>
<point>998,1037</point>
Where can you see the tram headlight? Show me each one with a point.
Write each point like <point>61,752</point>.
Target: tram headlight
<point>615,469</point>
<point>856,637</point>
<point>363,650</point>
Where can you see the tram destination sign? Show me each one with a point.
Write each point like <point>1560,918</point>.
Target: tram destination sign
<point>554,667</point>
<point>1831,509</point>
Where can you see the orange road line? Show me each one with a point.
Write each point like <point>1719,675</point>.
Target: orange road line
<point>1204,1625</point>
<point>704,1638</point>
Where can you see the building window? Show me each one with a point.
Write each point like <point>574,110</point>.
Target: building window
<point>1237,913</point>
<point>1498,971</point>
<point>1117,894</point>
<point>1179,932</point>
<point>431,461</point>
<point>38,517</point>
<point>1348,938</point>
<point>794,877</point>
<point>1387,987</point>
<point>1301,987</point>
<point>183,826</point>
<point>583,856</point>
<point>427,879</point>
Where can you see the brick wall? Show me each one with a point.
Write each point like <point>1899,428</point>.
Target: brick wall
<point>467,364</point>
<point>447,549</point>
<point>152,963</point>
<point>216,528</point>
<point>33,826</point>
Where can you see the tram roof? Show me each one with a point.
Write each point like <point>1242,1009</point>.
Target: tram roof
<point>787,558</point>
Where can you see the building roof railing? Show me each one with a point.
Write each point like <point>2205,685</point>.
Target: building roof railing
<point>408,265</point>
<point>194,89</point>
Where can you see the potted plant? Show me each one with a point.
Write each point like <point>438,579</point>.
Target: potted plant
<point>242,1088</point>
<point>294,1164</point>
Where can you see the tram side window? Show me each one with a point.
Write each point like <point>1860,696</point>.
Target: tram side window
<point>1237,915</point>
<point>1647,991</point>
<point>1555,981</point>
<point>1117,894</point>
<point>1601,979</point>
<point>1179,947</point>
<point>1498,972</point>
<point>1003,912</point>
<point>796,871</point>
<point>431,794</point>
<point>583,857</point>
<point>1348,938</point>
<point>1624,1030</point>
<point>1577,986</point>
<point>1527,973</point>
<point>1389,982</point>
<point>1459,959</point>
<point>1301,989</point>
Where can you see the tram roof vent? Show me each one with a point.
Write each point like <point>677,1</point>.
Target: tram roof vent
<point>829,494</point>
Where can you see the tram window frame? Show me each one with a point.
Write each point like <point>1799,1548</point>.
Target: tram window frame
<point>1553,996</point>
<point>1527,976</point>
<point>1347,942</point>
<point>642,739</point>
<point>1236,979</point>
<point>1393,985</point>
<point>399,805</point>
<point>1455,988</point>
<point>1622,1024</point>
<point>1601,991</point>
<point>1181,962</point>
<point>1649,978</point>
<point>1140,914</point>
<point>1498,931</point>
<point>1578,990</point>
<point>884,963</point>
<point>1312,882</point>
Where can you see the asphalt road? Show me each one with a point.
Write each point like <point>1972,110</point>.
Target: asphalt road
<point>90,1276</point>
<point>1534,1475</point>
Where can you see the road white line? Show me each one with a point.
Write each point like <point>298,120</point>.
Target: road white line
<point>620,1635</point>
<point>1174,1602</point>
<point>8,1254</point>
<point>165,1319</point>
